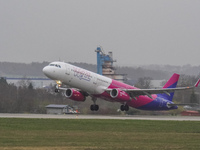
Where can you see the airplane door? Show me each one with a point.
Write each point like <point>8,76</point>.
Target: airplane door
<point>67,71</point>
<point>94,83</point>
<point>95,80</point>
<point>68,77</point>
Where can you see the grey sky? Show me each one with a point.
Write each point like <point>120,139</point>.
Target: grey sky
<point>137,31</point>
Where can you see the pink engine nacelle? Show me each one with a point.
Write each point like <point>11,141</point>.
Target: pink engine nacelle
<point>119,95</point>
<point>74,95</point>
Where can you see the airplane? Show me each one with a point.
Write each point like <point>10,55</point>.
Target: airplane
<point>85,83</point>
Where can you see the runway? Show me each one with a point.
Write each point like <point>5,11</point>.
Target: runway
<point>125,117</point>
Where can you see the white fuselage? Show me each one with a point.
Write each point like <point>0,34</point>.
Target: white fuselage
<point>77,77</point>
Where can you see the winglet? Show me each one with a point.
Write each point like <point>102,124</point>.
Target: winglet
<point>197,83</point>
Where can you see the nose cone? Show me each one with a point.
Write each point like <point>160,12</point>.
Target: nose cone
<point>50,72</point>
<point>46,71</point>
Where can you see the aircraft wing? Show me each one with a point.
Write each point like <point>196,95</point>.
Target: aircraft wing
<point>148,92</point>
<point>137,92</point>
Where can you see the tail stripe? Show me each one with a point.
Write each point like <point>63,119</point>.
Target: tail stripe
<point>171,83</point>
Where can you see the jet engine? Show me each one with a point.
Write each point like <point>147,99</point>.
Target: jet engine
<point>75,95</point>
<point>120,95</point>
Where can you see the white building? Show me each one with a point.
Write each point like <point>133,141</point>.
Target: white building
<point>59,109</point>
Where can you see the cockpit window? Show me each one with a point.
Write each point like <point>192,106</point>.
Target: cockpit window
<point>56,65</point>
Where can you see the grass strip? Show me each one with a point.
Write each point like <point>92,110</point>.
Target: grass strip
<point>98,134</point>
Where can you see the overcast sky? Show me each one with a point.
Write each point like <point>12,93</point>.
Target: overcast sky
<point>138,32</point>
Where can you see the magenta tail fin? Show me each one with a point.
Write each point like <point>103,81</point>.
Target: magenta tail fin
<point>171,83</point>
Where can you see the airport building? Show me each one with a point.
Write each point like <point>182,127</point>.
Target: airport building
<point>60,109</point>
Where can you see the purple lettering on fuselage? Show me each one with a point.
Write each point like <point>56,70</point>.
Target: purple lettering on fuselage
<point>82,74</point>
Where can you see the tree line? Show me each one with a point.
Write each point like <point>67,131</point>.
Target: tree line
<point>26,99</point>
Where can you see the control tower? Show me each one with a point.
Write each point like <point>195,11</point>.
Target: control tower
<point>105,65</point>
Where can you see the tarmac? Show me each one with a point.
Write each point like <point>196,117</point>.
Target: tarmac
<point>80,116</point>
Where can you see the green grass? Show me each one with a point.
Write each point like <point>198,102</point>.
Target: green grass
<point>98,134</point>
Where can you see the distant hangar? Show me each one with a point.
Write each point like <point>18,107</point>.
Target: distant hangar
<point>60,109</point>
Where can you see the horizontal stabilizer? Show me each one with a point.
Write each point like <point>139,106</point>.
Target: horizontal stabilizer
<point>183,104</point>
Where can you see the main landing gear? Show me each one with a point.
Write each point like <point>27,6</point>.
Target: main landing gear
<point>94,107</point>
<point>124,107</point>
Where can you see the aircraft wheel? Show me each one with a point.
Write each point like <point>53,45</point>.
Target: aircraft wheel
<point>122,108</point>
<point>126,107</point>
<point>94,107</point>
<point>56,91</point>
